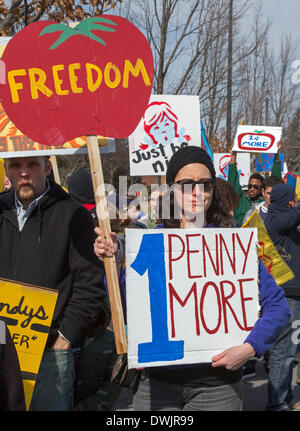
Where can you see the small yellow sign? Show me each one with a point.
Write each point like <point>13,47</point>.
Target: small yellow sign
<point>28,311</point>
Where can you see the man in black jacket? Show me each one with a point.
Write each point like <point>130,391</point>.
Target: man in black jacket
<point>11,386</point>
<point>46,240</point>
<point>282,223</point>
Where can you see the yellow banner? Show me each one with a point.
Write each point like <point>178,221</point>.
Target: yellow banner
<point>28,311</point>
<point>297,190</point>
<point>268,253</point>
<point>12,140</point>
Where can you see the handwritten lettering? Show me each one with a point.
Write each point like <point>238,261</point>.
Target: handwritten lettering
<point>159,166</point>
<point>24,310</point>
<point>64,78</point>
<point>22,340</point>
<point>225,293</point>
<point>210,257</point>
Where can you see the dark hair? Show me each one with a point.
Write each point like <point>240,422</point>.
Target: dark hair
<point>259,177</point>
<point>218,213</point>
<point>229,195</point>
<point>271,181</point>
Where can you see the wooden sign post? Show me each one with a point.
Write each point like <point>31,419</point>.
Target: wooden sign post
<point>109,263</point>
<point>55,169</point>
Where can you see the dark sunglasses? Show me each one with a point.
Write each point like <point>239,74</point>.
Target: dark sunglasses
<point>255,186</point>
<point>207,183</point>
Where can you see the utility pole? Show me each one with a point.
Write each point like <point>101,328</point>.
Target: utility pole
<point>229,78</point>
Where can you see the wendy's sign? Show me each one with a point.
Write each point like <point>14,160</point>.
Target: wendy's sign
<point>257,139</point>
<point>62,82</point>
<point>192,298</point>
<point>27,310</point>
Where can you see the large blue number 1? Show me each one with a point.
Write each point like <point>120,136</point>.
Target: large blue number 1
<point>151,257</point>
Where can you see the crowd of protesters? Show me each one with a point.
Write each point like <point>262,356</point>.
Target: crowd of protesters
<point>50,238</point>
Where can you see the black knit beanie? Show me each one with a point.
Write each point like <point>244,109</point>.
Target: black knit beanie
<point>186,156</point>
<point>80,186</point>
<point>282,194</point>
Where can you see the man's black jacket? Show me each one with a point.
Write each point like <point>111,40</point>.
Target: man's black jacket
<point>11,385</point>
<point>283,228</point>
<point>55,250</point>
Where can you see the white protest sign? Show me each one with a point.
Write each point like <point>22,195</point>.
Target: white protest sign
<point>169,123</point>
<point>257,139</point>
<point>191,293</point>
<point>221,164</point>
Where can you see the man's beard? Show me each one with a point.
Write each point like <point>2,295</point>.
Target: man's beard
<point>27,193</point>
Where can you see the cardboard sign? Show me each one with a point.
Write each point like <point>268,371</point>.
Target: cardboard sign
<point>257,139</point>
<point>28,312</point>
<point>264,162</point>
<point>93,79</point>
<point>293,179</point>
<point>168,123</point>
<point>221,164</point>
<point>190,293</point>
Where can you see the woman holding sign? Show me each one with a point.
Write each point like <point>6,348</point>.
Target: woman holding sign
<point>216,385</point>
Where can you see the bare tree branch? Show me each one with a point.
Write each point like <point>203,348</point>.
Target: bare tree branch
<point>10,17</point>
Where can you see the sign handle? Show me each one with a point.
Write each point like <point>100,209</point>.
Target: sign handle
<point>109,263</point>
<point>55,169</point>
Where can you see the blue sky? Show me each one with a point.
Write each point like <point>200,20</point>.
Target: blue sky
<point>285,16</point>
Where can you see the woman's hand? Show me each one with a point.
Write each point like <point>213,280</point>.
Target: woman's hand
<point>102,247</point>
<point>234,357</point>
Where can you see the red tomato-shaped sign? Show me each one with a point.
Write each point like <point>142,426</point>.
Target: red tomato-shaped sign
<point>255,142</point>
<point>62,82</point>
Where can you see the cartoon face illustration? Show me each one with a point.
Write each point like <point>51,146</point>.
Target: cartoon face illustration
<point>223,165</point>
<point>160,123</point>
<point>163,130</point>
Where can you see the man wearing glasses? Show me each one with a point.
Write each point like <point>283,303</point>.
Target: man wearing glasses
<point>255,186</point>
<point>262,208</point>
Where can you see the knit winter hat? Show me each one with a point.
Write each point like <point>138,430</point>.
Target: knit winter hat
<point>80,186</point>
<point>282,194</point>
<point>186,156</point>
